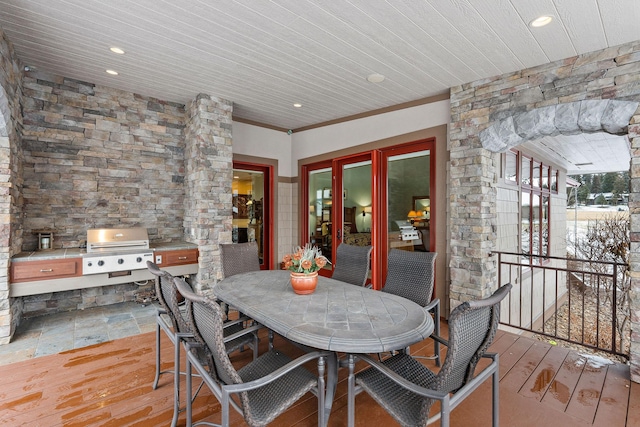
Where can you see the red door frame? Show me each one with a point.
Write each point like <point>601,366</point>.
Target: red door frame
<point>337,214</point>
<point>379,199</point>
<point>304,185</point>
<point>267,209</point>
<point>384,154</point>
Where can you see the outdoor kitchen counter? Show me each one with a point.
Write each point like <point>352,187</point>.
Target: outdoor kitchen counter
<point>79,253</point>
<point>57,270</point>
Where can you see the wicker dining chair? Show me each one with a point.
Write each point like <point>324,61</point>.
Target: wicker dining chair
<point>239,258</point>
<point>260,390</point>
<point>407,389</point>
<point>411,276</point>
<point>179,327</point>
<point>352,264</point>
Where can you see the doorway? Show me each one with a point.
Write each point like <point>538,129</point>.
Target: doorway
<point>368,199</point>
<point>251,207</point>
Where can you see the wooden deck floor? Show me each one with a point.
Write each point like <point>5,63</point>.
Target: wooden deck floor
<point>109,384</point>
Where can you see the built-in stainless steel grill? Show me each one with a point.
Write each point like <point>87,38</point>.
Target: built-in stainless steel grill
<point>114,250</point>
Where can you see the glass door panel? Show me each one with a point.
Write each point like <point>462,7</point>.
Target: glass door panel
<point>357,209</point>
<point>250,208</point>
<point>319,211</point>
<point>408,201</point>
<point>352,201</point>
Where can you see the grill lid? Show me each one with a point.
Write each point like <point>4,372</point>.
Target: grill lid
<point>112,239</point>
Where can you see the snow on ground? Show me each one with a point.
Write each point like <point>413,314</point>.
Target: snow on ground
<point>578,219</point>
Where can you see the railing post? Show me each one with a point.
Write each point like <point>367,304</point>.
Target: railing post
<point>614,304</point>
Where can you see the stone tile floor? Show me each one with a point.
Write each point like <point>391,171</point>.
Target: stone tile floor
<point>54,333</point>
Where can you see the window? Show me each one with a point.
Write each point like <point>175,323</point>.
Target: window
<point>536,181</point>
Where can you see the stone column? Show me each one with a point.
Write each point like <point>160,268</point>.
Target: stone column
<point>208,178</point>
<point>634,256</point>
<point>11,179</point>
<point>472,212</point>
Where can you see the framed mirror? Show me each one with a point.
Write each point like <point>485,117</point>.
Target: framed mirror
<point>422,204</point>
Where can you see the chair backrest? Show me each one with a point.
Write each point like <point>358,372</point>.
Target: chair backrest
<point>410,275</point>
<point>168,297</point>
<point>472,327</point>
<point>239,258</point>
<point>352,264</point>
<point>207,317</point>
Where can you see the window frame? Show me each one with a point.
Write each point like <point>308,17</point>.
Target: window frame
<point>537,186</point>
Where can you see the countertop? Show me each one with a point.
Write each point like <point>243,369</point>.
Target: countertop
<point>80,252</point>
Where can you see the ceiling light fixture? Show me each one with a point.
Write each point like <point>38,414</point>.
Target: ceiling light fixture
<point>375,78</point>
<point>117,50</point>
<point>112,72</point>
<point>297,105</point>
<point>541,21</point>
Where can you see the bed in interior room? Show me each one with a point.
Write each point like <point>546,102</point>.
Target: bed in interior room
<point>351,234</point>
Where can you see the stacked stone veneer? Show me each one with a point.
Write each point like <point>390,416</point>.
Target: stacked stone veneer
<point>97,157</point>
<point>496,105</point>
<point>11,201</point>
<point>209,174</point>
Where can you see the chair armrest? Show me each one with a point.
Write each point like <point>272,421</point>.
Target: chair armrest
<point>190,345</point>
<point>183,335</point>
<point>235,322</point>
<point>402,382</point>
<point>440,340</point>
<point>243,332</point>
<point>491,356</point>
<point>237,388</point>
<point>432,304</point>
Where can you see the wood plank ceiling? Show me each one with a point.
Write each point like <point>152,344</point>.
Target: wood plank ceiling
<point>266,55</point>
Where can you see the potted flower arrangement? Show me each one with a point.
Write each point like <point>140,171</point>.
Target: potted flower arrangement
<point>304,264</point>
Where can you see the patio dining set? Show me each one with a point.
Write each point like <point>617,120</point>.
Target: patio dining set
<point>340,323</point>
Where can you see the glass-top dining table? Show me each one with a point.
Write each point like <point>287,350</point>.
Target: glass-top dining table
<point>338,316</point>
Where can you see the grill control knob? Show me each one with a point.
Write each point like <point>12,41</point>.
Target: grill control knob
<point>120,261</point>
<point>100,263</point>
<point>89,264</point>
<point>139,259</point>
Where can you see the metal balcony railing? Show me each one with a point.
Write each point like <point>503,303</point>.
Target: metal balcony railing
<point>578,301</point>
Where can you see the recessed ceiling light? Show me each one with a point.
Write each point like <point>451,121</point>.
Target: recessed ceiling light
<point>297,105</point>
<point>112,72</point>
<point>117,50</point>
<point>541,21</point>
<point>375,78</point>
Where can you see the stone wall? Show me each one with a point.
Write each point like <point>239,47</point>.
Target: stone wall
<point>496,105</point>
<point>97,157</point>
<point>80,299</point>
<point>11,202</point>
<point>209,174</point>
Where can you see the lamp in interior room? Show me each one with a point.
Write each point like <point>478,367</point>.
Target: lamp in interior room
<point>414,216</point>
<point>427,209</point>
<point>366,210</point>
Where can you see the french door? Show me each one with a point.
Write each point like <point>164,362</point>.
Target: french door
<point>370,198</point>
<point>251,196</point>
<point>407,200</point>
